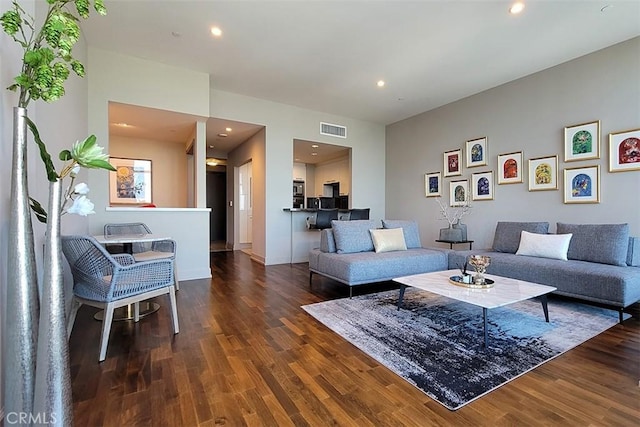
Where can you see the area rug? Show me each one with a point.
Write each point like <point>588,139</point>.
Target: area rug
<point>436,343</point>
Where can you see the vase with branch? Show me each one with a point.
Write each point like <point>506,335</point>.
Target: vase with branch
<point>36,353</point>
<point>456,232</point>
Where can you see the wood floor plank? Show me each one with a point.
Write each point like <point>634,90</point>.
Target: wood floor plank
<point>248,355</point>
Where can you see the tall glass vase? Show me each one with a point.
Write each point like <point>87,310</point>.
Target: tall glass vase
<point>21,325</point>
<point>53,380</point>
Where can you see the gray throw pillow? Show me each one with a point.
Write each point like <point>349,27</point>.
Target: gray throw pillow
<point>409,228</point>
<point>327,242</point>
<point>353,236</point>
<point>507,236</point>
<point>601,243</point>
<point>633,254</point>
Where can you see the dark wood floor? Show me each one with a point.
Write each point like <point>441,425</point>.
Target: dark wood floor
<point>247,354</point>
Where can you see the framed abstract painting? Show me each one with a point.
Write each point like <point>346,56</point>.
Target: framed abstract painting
<point>543,173</point>
<point>432,184</point>
<point>582,142</point>
<point>452,163</point>
<point>130,184</point>
<point>476,152</point>
<point>624,151</point>
<point>582,185</point>
<point>482,186</point>
<point>510,168</point>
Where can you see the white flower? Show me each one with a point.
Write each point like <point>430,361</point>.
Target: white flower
<point>75,171</point>
<point>81,188</point>
<point>81,206</point>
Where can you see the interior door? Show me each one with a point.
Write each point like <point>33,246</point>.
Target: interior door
<point>245,199</point>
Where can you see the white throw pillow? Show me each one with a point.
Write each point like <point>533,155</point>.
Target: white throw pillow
<point>544,245</point>
<point>388,239</point>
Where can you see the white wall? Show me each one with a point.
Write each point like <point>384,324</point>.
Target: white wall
<point>168,167</point>
<point>129,80</point>
<point>526,115</point>
<point>284,123</point>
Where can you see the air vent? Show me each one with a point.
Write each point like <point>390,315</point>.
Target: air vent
<point>333,130</point>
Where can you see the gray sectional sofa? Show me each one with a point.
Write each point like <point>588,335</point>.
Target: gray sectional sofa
<point>599,263</point>
<point>347,254</point>
<point>602,265</point>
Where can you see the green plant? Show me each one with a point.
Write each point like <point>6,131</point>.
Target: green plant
<point>46,65</point>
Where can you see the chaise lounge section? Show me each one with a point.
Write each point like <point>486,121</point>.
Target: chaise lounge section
<point>601,263</point>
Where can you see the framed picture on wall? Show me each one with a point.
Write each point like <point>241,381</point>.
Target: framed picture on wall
<point>130,184</point>
<point>582,142</point>
<point>543,173</point>
<point>452,163</point>
<point>510,168</point>
<point>476,152</point>
<point>432,184</point>
<point>459,193</point>
<point>482,186</point>
<point>624,151</point>
<point>582,185</point>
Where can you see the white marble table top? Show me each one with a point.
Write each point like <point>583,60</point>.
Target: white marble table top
<point>504,291</point>
<point>130,238</point>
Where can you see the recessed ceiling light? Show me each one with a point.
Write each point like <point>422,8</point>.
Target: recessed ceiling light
<point>380,83</point>
<point>314,154</point>
<point>123,125</point>
<point>216,31</point>
<point>228,129</point>
<point>211,146</point>
<point>315,146</point>
<point>223,135</point>
<point>516,8</point>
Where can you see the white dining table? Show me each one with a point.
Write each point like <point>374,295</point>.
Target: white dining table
<point>146,307</point>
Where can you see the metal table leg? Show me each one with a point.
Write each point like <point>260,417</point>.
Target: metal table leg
<point>486,334</point>
<point>401,296</point>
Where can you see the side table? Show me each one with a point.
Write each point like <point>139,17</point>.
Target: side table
<point>455,242</point>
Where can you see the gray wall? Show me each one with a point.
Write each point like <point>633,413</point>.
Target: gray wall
<point>527,115</point>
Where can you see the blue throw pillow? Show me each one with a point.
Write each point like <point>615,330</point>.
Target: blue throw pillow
<point>601,243</point>
<point>353,236</point>
<point>507,236</point>
<point>409,228</point>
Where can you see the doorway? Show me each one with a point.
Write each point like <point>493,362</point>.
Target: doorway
<point>216,201</point>
<point>245,204</point>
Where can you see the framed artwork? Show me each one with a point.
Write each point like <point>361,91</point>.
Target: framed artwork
<point>476,152</point>
<point>624,151</point>
<point>459,193</point>
<point>130,184</point>
<point>582,142</point>
<point>482,186</point>
<point>582,185</point>
<point>510,168</point>
<point>432,183</point>
<point>452,165</point>
<point>543,173</point>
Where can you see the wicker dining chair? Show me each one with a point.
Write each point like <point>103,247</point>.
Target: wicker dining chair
<point>108,281</point>
<point>146,251</point>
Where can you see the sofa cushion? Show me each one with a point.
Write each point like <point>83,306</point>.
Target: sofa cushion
<point>544,245</point>
<point>633,254</point>
<point>507,235</point>
<point>327,242</point>
<point>409,228</point>
<point>388,240</point>
<point>602,243</point>
<point>353,236</point>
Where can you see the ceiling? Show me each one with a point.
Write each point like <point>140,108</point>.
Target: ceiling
<point>328,55</point>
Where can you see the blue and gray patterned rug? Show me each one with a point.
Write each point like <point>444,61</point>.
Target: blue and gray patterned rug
<point>435,343</point>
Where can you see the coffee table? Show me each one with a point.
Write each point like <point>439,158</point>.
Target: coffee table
<point>505,291</point>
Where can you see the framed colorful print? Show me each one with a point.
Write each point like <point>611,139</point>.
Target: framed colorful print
<point>582,185</point>
<point>452,163</point>
<point>476,152</point>
<point>130,184</point>
<point>624,151</point>
<point>582,142</point>
<point>432,183</point>
<point>543,173</point>
<point>510,168</point>
<point>459,193</point>
<point>482,186</point>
